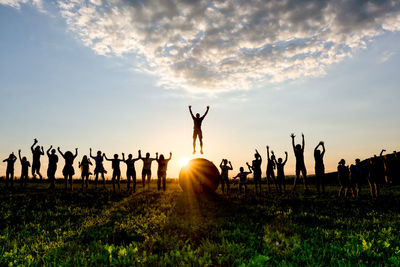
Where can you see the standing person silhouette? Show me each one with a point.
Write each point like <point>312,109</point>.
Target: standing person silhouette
<point>300,166</point>
<point>356,176</point>
<point>25,164</point>
<point>242,175</point>
<point>115,163</point>
<point>99,168</point>
<point>130,170</point>
<point>36,153</point>
<point>270,169</point>
<point>344,178</point>
<point>68,170</point>
<point>256,167</point>
<point>146,171</point>
<point>280,176</point>
<point>319,167</point>
<point>225,168</point>
<point>162,171</point>
<point>52,168</point>
<point>84,165</point>
<point>197,132</point>
<point>10,169</point>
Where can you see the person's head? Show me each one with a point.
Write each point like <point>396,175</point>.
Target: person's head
<point>280,160</point>
<point>241,169</point>
<point>37,148</point>
<point>53,151</point>
<point>147,155</point>
<point>130,156</point>
<point>99,153</point>
<point>317,152</point>
<point>298,147</point>
<point>272,157</point>
<point>115,156</point>
<point>225,161</point>
<point>342,162</point>
<point>24,159</point>
<point>161,157</point>
<point>11,156</point>
<point>358,161</point>
<point>68,155</point>
<point>256,156</point>
<point>84,158</point>
<point>197,115</point>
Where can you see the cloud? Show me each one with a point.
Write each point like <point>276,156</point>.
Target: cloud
<point>17,3</point>
<point>233,44</point>
<point>386,56</point>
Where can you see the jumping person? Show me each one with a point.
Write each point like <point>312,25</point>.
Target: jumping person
<point>146,171</point>
<point>68,170</point>
<point>36,153</point>
<point>280,175</point>
<point>256,168</point>
<point>319,167</point>
<point>225,168</point>
<point>344,178</point>
<point>10,169</point>
<point>130,170</point>
<point>270,169</point>
<point>52,168</point>
<point>99,168</point>
<point>115,163</point>
<point>300,166</point>
<point>242,175</point>
<point>162,171</point>
<point>197,128</point>
<point>25,164</point>
<point>84,165</point>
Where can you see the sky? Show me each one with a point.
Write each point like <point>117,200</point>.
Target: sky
<point>118,76</point>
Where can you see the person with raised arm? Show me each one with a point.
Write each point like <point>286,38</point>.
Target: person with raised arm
<point>300,165</point>
<point>162,171</point>
<point>99,168</point>
<point>116,175</point>
<point>197,132</point>
<point>270,169</point>
<point>36,153</point>
<point>10,169</point>
<point>225,168</point>
<point>52,168</point>
<point>131,171</point>
<point>280,175</point>
<point>25,164</point>
<point>319,167</point>
<point>146,171</point>
<point>84,165</point>
<point>68,170</point>
<point>256,167</point>
<point>242,175</point>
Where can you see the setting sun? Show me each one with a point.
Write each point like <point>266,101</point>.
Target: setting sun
<point>183,161</point>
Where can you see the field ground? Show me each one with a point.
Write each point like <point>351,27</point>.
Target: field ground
<point>171,228</point>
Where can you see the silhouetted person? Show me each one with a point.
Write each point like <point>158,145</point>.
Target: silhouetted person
<point>319,167</point>
<point>356,176</point>
<point>10,169</point>
<point>225,168</point>
<point>130,170</point>
<point>271,169</point>
<point>116,175</point>
<point>25,164</point>
<point>256,168</point>
<point>52,168</point>
<point>391,167</point>
<point>162,171</point>
<point>146,171</point>
<point>68,170</point>
<point>36,152</point>
<point>242,175</point>
<point>376,175</point>
<point>197,121</point>
<point>394,168</point>
<point>84,165</point>
<point>280,177</point>
<point>300,165</point>
<point>344,178</point>
<point>99,168</point>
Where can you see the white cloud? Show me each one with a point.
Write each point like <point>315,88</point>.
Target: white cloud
<point>17,3</point>
<point>232,44</point>
<point>386,56</point>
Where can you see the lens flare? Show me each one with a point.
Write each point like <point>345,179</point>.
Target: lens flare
<point>183,162</point>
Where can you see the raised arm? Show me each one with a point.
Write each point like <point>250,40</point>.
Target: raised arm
<point>104,155</point>
<point>383,150</point>
<point>123,156</point>
<point>249,167</point>
<point>90,153</point>
<point>59,151</point>
<point>139,155</point>
<point>220,165</point>
<point>48,150</point>
<point>34,143</point>
<point>259,155</point>
<point>205,114</point>
<point>191,113</point>
<point>268,153</point>
<point>303,143</point>
<point>42,152</point>
<point>230,166</point>
<point>76,152</point>
<point>170,156</point>
<point>323,148</point>
<point>293,136</point>
<point>19,155</point>
<point>285,158</point>
<point>156,158</point>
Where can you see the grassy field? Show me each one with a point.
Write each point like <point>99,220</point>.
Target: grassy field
<point>156,228</point>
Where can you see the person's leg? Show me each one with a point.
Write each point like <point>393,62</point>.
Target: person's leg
<point>295,178</point>
<point>144,178</point>
<point>38,172</point>
<point>96,179</point>
<point>128,182</point>
<point>317,182</point>
<point>227,185</point>
<point>194,142</point>
<point>104,180</point>
<point>223,185</point>
<point>340,190</point>
<point>377,190</point>
<point>164,181</point>
<point>83,179</point>
<point>7,178</point>
<point>119,180</point>
<point>70,182</point>
<point>201,144</point>
<point>66,181</point>
<point>134,182</point>
<point>322,181</point>
<point>148,178</point>
<point>268,182</point>
<point>113,181</point>
<point>159,181</point>
<point>304,174</point>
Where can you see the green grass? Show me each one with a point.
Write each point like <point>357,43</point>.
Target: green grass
<point>156,228</point>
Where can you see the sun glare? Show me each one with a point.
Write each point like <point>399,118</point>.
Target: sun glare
<point>183,161</point>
